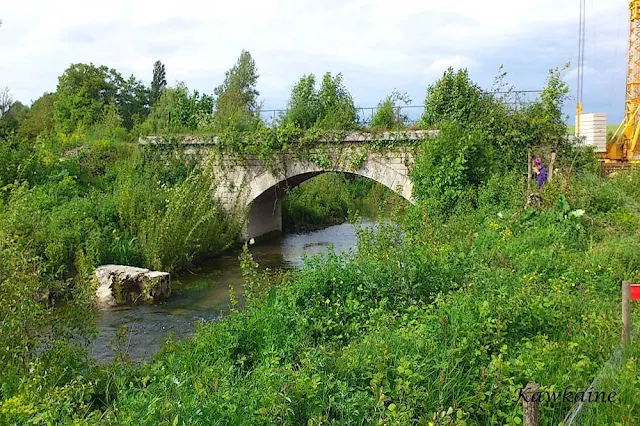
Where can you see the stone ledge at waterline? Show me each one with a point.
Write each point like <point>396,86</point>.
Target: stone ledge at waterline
<point>120,284</point>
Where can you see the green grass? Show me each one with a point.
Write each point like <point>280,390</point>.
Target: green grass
<point>621,375</point>
<point>452,317</point>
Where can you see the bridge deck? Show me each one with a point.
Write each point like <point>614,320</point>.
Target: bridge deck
<point>349,137</point>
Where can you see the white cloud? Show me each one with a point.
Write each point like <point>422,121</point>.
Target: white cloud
<point>457,62</point>
<point>379,44</point>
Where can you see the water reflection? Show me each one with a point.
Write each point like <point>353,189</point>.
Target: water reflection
<point>205,292</point>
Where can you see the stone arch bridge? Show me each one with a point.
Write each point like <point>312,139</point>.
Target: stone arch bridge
<point>254,188</point>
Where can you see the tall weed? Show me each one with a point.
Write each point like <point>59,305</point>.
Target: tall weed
<point>188,225</point>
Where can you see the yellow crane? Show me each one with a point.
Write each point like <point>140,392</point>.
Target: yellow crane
<point>623,146</point>
<point>580,65</point>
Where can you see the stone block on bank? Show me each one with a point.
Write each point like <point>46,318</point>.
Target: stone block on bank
<point>120,284</point>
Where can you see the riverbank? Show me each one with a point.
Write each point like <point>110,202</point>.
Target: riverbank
<point>202,293</point>
<point>447,321</point>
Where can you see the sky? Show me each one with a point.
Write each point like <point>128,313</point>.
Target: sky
<point>378,45</point>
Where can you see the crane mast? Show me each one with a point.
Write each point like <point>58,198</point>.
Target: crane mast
<point>625,141</point>
<point>580,65</point>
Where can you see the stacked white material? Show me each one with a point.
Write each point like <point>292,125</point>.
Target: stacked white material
<point>593,130</point>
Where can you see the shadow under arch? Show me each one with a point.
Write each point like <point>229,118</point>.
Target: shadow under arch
<point>264,215</point>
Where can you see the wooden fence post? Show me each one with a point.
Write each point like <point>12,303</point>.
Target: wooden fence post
<point>531,409</point>
<point>529,172</point>
<point>626,313</point>
<point>551,163</point>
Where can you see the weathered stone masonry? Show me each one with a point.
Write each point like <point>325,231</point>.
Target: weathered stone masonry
<point>255,188</point>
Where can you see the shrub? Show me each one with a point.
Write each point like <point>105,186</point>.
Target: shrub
<point>387,116</point>
<point>302,110</point>
<point>454,98</point>
<point>451,167</point>
<point>190,224</point>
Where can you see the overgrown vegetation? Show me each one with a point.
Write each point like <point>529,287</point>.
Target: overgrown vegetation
<point>388,116</point>
<point>330,199</point>
<point>444,324</point>
<point>67,207</point>
<point>439,319</point>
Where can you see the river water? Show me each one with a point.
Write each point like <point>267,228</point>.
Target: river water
<point>203,294</point>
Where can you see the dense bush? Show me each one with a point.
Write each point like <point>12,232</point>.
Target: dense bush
<point>64,212</point>
<point>512,129</point>
<point>388,116</point>
<point>454,98</point>
<point>189,225</point>
<point>329,107</point>
<point>452,167</point>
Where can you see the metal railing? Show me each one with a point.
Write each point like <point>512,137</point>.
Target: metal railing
<point>410,114</point>
<point>578,415</point>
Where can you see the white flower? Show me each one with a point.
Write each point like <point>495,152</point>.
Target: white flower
<point>252,241</point>
<point>577,213</point>
<point>499,214</point>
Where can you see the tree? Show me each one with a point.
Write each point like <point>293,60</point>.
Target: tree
<point>240,80</point>
<point>83,92</point>
<point>548,120</point>
<point>237,97</point>
<point>39,119</point>
<point>336,109</point>
<point>159,82</point>
<point>330,107</point>
<point>10,121</point>
<point>190,110</point>
<point>179,111</point>
<point>160,115</point>
<point>453,98</point>
<point>5,100</point>
<point>132,100</point>
<point>110,126</point>
<point>303,103</point>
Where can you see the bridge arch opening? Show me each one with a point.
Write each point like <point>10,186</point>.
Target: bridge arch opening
<point>265,210</point>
